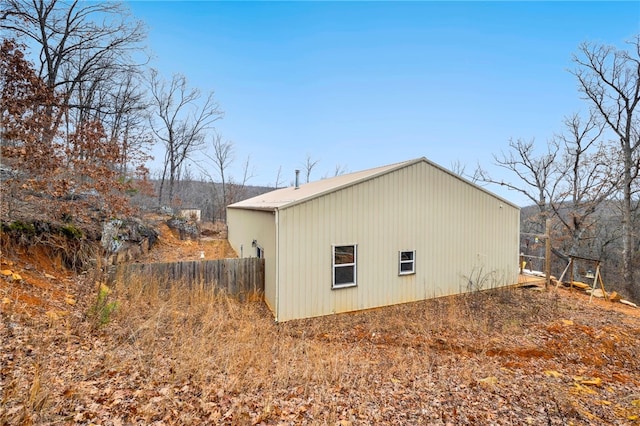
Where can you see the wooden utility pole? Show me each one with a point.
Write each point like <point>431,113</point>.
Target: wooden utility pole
<point>547,254</point>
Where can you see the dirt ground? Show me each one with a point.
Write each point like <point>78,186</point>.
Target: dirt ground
<point>170,248</point>
<point>34,281</point>
<point>534,356</point>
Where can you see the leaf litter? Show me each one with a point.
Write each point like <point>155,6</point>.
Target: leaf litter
<point>180,356</point>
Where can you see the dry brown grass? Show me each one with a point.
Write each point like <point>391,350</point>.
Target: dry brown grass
<point>184,355</point>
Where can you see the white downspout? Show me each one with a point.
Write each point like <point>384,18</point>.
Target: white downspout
<point>277,265</point>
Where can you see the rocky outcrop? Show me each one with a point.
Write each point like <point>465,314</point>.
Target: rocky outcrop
<point>187,229</point>
<point>126,240</point>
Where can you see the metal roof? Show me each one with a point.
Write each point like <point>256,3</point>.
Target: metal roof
<point>287,197</point>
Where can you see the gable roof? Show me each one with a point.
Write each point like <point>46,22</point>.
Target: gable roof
<point>287,197</point>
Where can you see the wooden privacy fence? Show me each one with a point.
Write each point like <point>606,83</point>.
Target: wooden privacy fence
<point>235,276</point>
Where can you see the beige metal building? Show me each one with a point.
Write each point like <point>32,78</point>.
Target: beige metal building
<point>393,234</point>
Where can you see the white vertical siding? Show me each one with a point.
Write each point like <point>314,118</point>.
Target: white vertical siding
<point>457,230</point>
<point>248,225</point>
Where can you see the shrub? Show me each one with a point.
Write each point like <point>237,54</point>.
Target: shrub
<point>71,232</point>
<point>22,227</point>
<point>102,309</point>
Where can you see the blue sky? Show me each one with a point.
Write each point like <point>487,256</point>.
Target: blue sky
<point>363,84</point>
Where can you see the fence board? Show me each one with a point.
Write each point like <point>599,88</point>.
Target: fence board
<point>235,276</point>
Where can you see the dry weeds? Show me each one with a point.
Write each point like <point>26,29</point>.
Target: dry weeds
<point>189,356</point>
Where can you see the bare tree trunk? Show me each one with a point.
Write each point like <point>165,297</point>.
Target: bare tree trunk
<point>610,79</point>
<point>627,229</point>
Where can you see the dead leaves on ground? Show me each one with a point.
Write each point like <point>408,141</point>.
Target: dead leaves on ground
<point>423,363</point>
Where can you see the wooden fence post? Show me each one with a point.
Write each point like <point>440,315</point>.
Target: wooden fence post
<point>547,254</point>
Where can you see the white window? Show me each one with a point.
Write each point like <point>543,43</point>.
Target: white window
<point>344,266</point>
<point>407,262</point>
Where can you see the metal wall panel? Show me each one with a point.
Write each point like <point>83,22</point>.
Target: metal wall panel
<point>244,227</point>
<point>458,230</point>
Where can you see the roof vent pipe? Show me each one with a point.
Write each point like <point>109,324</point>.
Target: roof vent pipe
<point>297,179</point>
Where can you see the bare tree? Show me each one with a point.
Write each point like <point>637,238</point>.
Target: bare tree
<point>180,123</point>
<point>587,178</point>
<point>309,165</point>
<point>248,172</point>
<point>339,170</point>
<point>278,181</point>
<point>81,171</point>
<point>85,55</point>
<point>83,48</point>
<point>533,174</point>
<point>127,122</point>
<point>237,189</point>
<point>610,80</point>
<point>226,190</point>
<point>223,155</point>
<point>458,168</point>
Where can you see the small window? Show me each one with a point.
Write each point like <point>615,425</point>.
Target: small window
<point>344,266</point>
<point>407,262</point>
